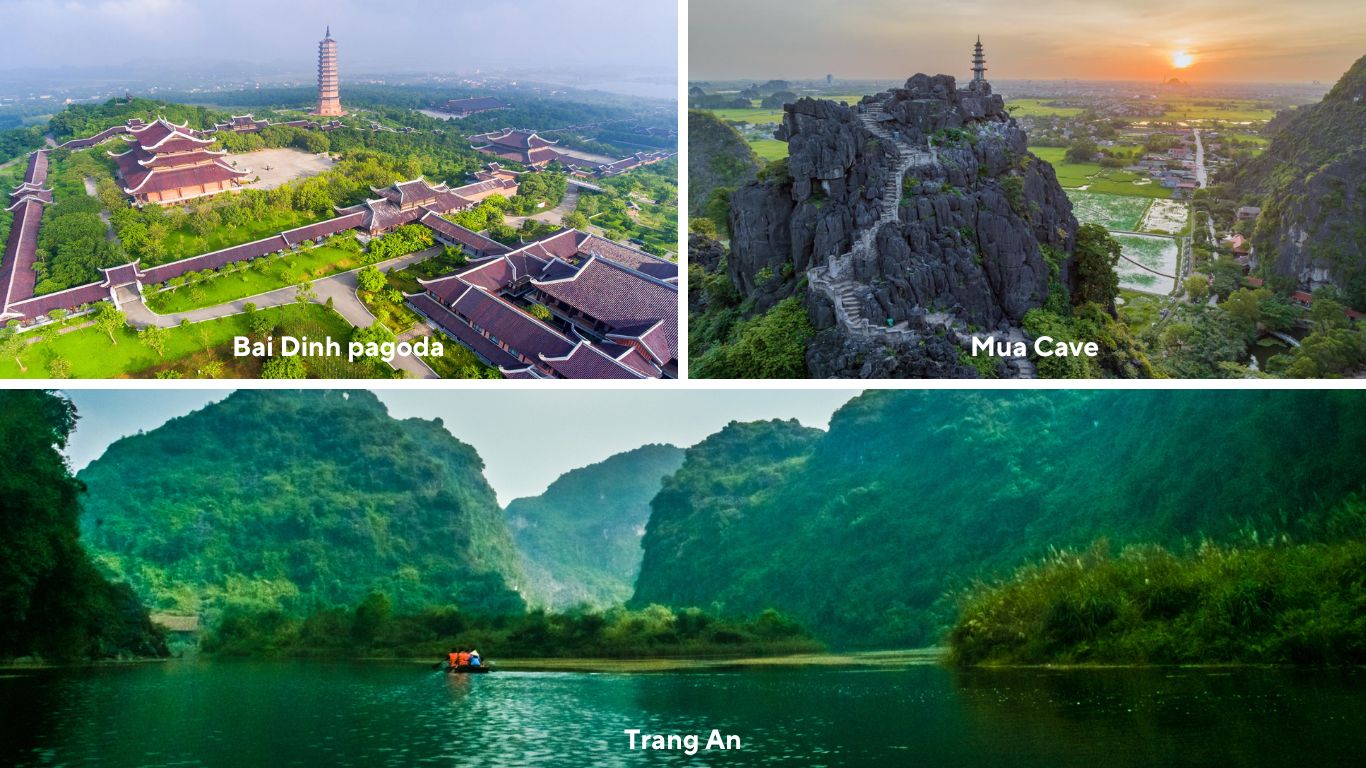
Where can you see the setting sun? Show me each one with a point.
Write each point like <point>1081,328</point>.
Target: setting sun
<point>1181,59</point>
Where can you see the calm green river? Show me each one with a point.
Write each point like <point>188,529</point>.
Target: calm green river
<point>316,714</point>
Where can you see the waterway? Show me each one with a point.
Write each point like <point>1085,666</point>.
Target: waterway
<point>380,714</point>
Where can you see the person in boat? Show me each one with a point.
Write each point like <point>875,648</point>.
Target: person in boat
<point>464,658</point>
<point>474,658</point>
<point>453,659</point>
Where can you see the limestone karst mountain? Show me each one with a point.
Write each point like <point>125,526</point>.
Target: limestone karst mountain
<point>1311,183</point>
<point>905,224</point>
<point>579,541</point>
<point>289,500</point>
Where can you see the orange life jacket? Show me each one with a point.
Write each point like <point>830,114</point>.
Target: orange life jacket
<point>464,659</point>
<point>454,659</point>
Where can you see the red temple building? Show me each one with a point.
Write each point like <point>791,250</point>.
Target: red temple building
<point>524,147</point>
<point>166,163</point>
<point>329,82</point>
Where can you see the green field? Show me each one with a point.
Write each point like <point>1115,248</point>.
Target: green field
<point>769,149</point>
<point>1155,253</point>
<point>752,116</point>
<point>1037,108</point>
<point>1091,177</point>
<point>1208,109</point>
<point>260,277</point>
<point>760,116</point>
<point>92,356</point>
<point>1109,211</point>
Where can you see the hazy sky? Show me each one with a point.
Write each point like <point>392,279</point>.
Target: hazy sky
<point>372,36</point>
<point>571,428</point>
<point>1231,40</point>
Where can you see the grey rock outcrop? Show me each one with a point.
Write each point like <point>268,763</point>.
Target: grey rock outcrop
<point>917,213</point>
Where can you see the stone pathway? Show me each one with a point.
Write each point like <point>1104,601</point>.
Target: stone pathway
<point>568,203</point>
<point>341,288</point>
<point>838,279</point>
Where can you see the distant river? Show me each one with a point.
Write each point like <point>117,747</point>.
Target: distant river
<point>315,714</point>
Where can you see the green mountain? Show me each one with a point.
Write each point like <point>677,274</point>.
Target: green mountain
<point>1312,181</point>
<point>579,541</point>
<point>54,603</point>
<point>290,500</point>
<point>718,157</point>
<point>864,533</point>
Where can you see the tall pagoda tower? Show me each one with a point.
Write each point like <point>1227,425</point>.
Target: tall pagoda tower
<point>329,94</point>
<point>979,65</point>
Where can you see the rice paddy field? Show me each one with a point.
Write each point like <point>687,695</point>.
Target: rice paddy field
<point>759,116</point>
<point>1165,217</point>
<point>1037,108</point>
<point>1156,253</point>
<point>769,149</point>
<point>1090,177</point>
<point>1110,211</point>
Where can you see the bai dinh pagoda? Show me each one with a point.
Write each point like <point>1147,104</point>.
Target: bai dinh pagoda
<point>329,82</point>
<point>166,163</point>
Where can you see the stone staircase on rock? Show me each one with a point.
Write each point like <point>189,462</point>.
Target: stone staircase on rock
<point>837,279</point>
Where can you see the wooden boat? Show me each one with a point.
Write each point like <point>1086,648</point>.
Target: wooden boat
<point>468,670</point>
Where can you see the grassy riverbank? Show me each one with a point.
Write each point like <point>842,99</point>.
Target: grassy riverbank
<point>1280,604</point>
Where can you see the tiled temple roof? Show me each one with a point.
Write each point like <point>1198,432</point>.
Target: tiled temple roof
<point>622,299</point>
<point>459,234</point>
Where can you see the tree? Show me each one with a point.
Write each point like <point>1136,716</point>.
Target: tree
<point>539,312</point>
<point>109,319</point>
<point>59,368</point>
<point>370,279</point>
<point>371,616</point>
<point>155,337</point>
<point>260,323</point>
<point>284,368</point>
<point>1326,313</point>
<point>1196,287</point>
<point>575,220</point>
<point>1097,255</point>
<point>12,344</point>
<point>1246,305</point>
<point>1082,151</point>
<point>213,369</point>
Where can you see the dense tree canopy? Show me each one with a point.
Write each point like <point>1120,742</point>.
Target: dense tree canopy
<point>53,602</point>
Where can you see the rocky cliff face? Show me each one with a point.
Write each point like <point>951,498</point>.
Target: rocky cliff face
<point>917,213</point>
<point>1312,228</point>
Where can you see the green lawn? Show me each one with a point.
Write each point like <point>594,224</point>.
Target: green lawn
<point>275,272</point>
<point>184,242</point>
<point>1037,108</point>
<point>769,149</point>
<point>92,356</point>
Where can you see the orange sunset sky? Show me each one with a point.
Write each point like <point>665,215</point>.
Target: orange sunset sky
<point>1217,40</point>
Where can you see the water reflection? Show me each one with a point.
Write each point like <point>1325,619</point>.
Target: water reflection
<point>232,714</point>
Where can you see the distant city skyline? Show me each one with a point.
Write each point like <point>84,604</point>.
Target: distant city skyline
<point>562,437</point>
<point>271,38</point>
<point>1195,40</point>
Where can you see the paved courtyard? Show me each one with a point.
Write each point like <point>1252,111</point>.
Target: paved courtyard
<point>279,166</point>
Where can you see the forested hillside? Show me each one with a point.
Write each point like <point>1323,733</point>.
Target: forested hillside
<point>579,541</point>
<point>53,601</point>
<point>861,533</point>
<point>1312,185</point>
<point>291,500</point>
